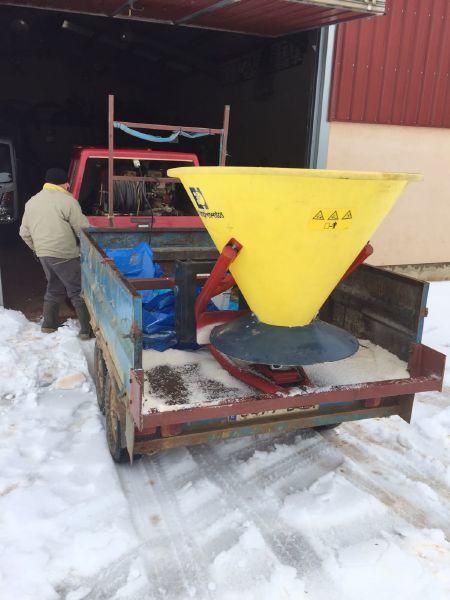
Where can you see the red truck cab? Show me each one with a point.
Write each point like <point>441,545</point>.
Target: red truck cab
<point>164,203</point>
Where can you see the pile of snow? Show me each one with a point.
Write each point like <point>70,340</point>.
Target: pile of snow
<point>31,361</point>
<point>63,518</point>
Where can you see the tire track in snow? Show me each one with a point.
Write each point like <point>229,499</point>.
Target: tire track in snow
<point>105,584</point>
<point>393,457</point>
<point>291,548</point>
<point>168,550</point>
<point>252,492</point>
<point>369,481</point>
<point>302,450</point>
<point>302,456</point>
<point>141,501</point>
<point>191,559</point>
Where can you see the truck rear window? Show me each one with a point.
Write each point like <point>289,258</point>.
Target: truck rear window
<point>134,197</point>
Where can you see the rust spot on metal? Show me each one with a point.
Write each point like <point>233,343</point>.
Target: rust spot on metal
<point>372,402</point>
<point>285,424</point>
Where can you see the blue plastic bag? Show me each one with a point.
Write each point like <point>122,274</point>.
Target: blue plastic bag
<point>137,263</point>
<point>159,341</point>
<point>158,306</point>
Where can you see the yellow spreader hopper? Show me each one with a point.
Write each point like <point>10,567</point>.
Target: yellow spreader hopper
<point>300,231</point>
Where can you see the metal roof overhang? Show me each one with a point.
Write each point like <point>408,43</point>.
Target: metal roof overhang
<point>271,18</point>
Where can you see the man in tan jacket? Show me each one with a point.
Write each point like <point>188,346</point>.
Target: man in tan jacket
<point>51,226</point>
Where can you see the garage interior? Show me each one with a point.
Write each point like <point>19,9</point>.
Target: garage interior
<point>59,67</point>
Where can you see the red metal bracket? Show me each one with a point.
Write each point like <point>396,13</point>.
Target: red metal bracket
<point>218,278</point>
<point>218,281</point>
<point>261,377</point>
<point>365,253</point>
<point>255,380</point>
<point>287,377</point>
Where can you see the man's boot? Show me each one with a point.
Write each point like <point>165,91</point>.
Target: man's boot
<point>84,319</point>
<point>50,321</point>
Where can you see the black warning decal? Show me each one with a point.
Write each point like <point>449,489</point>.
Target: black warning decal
<point>199,198</point>
<point>330,218</point>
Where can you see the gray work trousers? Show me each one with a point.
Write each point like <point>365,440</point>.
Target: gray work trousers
<point>63,279</point>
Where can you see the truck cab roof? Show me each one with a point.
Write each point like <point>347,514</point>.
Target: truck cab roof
<point>81,153</point>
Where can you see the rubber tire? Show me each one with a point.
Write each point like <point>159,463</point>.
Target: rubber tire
<point>113,423</point>
<point>100,373</point>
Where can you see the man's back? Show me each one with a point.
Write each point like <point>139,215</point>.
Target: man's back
<point>52,222</point>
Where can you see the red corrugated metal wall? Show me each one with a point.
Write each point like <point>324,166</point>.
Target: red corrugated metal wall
<point>395,69</point>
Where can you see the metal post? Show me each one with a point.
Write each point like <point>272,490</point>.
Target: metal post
<point>321,127</point>
<point>111,159</point>
<point>185,292</point>
<point>224,136</point>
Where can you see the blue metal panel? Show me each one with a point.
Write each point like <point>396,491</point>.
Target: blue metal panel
<point>156,238</point>
<point>282,425</point>
<point>115,307</point>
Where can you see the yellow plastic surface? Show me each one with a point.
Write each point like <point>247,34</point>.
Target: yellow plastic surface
<point>300,229</point>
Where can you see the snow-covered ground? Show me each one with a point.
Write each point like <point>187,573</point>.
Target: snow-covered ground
<point>358,513</point>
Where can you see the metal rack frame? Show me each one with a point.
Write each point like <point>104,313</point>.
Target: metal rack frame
<point>223,133</point>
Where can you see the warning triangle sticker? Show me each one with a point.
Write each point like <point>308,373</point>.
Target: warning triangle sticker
<point>348,215</point>
<point>334,216</point>
<point>319,216</point>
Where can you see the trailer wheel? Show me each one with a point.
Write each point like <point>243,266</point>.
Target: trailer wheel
<point>100,374</point>
<point>114,422</point>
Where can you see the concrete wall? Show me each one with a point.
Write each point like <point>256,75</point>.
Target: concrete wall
<point>417,230</point>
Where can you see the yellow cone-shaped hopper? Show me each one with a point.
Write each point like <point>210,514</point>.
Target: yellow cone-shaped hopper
<point>300,229</point>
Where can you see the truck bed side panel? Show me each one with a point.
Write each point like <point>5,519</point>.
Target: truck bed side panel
<point>379,306</point>
<point>115,308</point>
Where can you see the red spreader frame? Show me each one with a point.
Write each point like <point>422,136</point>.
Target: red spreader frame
<point>261,377</point>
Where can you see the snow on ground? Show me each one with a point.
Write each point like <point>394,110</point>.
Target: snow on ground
<point>361,512</point>
<point>64,520</point>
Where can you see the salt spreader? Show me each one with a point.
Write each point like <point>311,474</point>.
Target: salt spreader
<point>314,338</point>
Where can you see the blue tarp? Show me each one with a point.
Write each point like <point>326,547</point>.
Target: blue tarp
<point>158,306</point>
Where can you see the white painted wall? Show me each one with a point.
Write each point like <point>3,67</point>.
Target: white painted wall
<point>418,228</point>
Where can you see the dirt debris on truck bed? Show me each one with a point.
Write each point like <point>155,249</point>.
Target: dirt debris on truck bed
<point>176,378</point>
